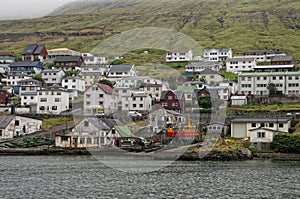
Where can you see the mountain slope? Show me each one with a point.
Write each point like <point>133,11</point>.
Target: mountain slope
<point>239,24</point>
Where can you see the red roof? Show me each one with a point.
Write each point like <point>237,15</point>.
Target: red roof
<point>107,89</point>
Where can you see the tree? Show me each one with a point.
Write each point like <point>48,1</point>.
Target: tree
<point>72,73</point>
<point>204,101</point>
<point>273,90</point>
<point>106,82</point>
<point>117,62</point>
<point>38,78</point>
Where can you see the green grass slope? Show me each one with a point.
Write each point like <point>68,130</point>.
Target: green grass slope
<point>239,24</point>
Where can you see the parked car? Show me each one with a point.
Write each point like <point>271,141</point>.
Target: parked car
<point>134,114</point>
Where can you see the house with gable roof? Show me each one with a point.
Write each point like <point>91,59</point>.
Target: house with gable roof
<point>69,63</point>
<point>172,100</point>
<point>179,55</point>
<point>73,83</point>
<point>100,98</point>
<point>121,71</point>
<point>220,54</point>
<point>7,58</point>
<point>210,77</point>
<point>26,67</point>
<point>12,125</point>
<point>52,76</point>
<point>34,52</point>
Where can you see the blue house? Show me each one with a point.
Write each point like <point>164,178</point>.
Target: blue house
<point>26,67</point>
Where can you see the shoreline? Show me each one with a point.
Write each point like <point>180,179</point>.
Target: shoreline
<point>238,155</point>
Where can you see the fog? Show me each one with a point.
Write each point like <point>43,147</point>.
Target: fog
<point>21,9</point>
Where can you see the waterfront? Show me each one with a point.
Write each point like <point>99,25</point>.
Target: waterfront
<point>85,177</point>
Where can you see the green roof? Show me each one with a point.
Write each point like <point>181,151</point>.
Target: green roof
<point>186,88</point>
<point>124,131</point>
<point>288,73</point>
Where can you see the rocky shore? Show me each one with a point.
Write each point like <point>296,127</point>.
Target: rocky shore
<point>213,155</point>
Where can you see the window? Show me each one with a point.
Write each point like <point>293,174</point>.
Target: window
<point>170,97</point>
<point>96,140</point>
<point>271,125</point>
<point>262,124</point>
<point>54,108</point>
<point>43,99</point>
<point>89,140</point>
<point>253,125</point>
<point>58,93</point>
<point>100,95</point>
<point>64,138</point>
<point>17,123</point>
<point>261,134</point>
<point>57,100</point>
<point>141,105</point>
<point>134,105</point>
<point>280,125</point>
<point>82,141</point>
<point>42,108</point>
<point>25,97</point>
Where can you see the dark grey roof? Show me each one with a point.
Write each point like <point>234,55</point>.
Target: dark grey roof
<point>67,59</point>
<point>240,59</point>
<point>120,68</point>
<point>29,50</point>
<point>282,58</point>
<point>73,77</point>
<point>257,120</point>
<point>188,73</point>
<point>5,120</point>
<point>209,71</point>
<point>25,63</point>
<point>54,88</point>
<point>163,95</point>
<point>260,51</point>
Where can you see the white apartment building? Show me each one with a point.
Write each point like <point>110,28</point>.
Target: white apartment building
<point>179,55</point>
<point>240,64</point>
<point>221,54</point>
<point>15,78</point>
<point>137,101</point>
<point>288,83</point>
<point>73,83</point>
<point>100,98</point>
<point>52,100</point>
<point>202,65</point>
<point>54,53</point>
<point>52,76</point>
<point>263,55</point>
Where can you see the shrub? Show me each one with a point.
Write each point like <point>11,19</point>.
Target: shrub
<point>287,143</point>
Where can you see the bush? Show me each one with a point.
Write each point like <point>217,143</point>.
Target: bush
<point>286,143</point>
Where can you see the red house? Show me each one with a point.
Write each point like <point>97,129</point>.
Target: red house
<point>34,52</point>
<point>3,97</point>
<point>172,100</point>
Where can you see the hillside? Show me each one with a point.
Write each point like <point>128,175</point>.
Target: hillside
<point>239,24</point>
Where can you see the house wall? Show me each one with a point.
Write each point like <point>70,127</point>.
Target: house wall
<point>252,83</point>
<point>74,83</point>
<point>53,77</point>
<point>52,102</point>
<point>77,142</point>
<point>179,56</point>
<point>211,78</point>
<point>238,130</point>
<point>95,99</point>
<point>240,66</point>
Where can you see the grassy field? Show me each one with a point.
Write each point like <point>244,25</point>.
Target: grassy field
<point>242,25</point>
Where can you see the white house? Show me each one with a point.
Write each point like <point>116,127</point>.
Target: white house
<point>257,83</point>
<point>12,125</point>
<point>179,55</point>
<point>73,83</point>
<point>90,59</point>
<point>240,64</point>
<point>29,98</point>
<point>52,76</point>
<point>238,100</point>
<point>7,58</point>
<point>260,131</point>
<point>4,68</point>
<point>100,98</point>
<point>221,54</point>
<point>15,78</point>
<point>52,100</point>
<point>121,71</point>
<point>137,101</point>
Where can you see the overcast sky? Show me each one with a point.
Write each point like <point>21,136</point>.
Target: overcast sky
<point>19,9</point>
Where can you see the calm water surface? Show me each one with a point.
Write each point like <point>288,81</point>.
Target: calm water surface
<point>85,177</point>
